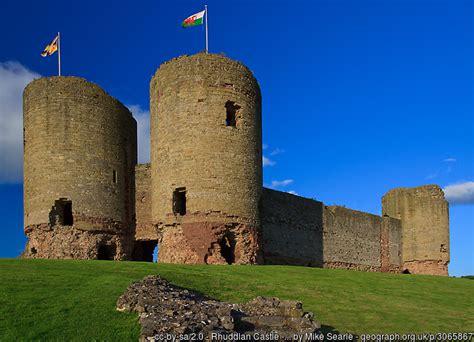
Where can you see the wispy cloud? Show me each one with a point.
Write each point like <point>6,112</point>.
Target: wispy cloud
<point>264,146</point>
<point>143,132</point>
<point>293,192</point>
<point>460,193</point>
<point>282,183</point>
<point>432,175</point>
<point>443,170</point>
<point>13,79</point>
<point>267,161</point>
<point>277,151</point>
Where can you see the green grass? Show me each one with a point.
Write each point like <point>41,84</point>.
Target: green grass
<point>75,300</point>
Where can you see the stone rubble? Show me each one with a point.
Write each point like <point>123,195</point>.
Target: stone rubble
<point>168,312</point>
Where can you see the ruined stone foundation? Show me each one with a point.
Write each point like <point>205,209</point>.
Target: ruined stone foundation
<point>68,242</point>
<point>200,241</point>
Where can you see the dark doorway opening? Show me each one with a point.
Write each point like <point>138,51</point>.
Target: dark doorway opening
<point>179,201</point>
<point>231,113</point>
<point>61,213</point>
<point>405,271</point>
<point>106,252</point>
<point>145,250</point>
<point>67,214</point>
<point>227,245</point>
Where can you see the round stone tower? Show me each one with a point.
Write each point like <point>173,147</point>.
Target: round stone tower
<point>206,160</point>
<point>79,158</point>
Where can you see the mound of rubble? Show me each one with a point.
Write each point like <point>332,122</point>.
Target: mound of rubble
<point>170,313</point>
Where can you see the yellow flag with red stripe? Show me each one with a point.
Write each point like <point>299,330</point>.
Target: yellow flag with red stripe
<point>50,48</point>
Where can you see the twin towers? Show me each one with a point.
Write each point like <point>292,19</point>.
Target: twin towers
<point>205,178</point>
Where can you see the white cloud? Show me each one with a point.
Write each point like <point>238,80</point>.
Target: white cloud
<point>449,160</point>
<point>277,151</point>
<point>285,182</point>
<point>267,161</point>
<point>460,193</point>
<point>293,192</point>
<point>13,79</point>
<point>143,132</point>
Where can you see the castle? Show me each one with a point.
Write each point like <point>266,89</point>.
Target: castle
<point>201,198</point>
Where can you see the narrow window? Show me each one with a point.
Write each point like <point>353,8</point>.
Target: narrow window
<point>179,201</point>
<point>114,176</point>
<point>231,113</point>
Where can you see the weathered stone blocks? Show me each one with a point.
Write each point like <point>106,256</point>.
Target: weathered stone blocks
<point>79,156</point>
<point>206,158</point>
<point>424,215</point>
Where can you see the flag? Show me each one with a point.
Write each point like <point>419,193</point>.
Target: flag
<point>51,47</point>
<point>193,20</point>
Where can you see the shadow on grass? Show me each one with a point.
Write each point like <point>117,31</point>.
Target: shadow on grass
<point>327,329</point>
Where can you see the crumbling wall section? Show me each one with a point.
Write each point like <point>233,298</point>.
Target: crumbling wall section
<point>66,242</point>
<point>212,238</point>
<point>424,215</point>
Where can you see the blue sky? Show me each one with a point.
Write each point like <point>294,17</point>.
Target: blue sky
<point>358,96</point>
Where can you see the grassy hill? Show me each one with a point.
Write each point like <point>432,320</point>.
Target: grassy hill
<point>75,300</point>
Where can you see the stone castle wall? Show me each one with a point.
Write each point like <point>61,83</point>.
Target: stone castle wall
<point>292,229</point>
<point>79,157</point>
<point>424,215</point>
<point>300,231</point>
<point>206,146</point>
<point>144,229</point>
<point>357,240</point>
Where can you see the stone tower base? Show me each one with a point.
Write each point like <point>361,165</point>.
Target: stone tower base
<point>432,267</point>
<point>208,243</point>
<point>68,242</point>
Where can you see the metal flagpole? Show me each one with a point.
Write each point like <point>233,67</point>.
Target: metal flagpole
<point>207,39</point>
<point>59,55</point>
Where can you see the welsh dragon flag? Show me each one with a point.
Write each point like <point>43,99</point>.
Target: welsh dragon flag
<point>194,20</point>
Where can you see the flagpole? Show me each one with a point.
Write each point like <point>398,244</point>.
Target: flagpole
<point>207,39</point>
<point>59,55</point>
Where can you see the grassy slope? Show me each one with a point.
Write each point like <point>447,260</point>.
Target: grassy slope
<point>75,300</point>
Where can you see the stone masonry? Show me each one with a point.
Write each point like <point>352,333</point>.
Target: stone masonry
<point>80,152</point>
<point>424,217</point>
<point>206,128</point>
<point>201,198</point>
